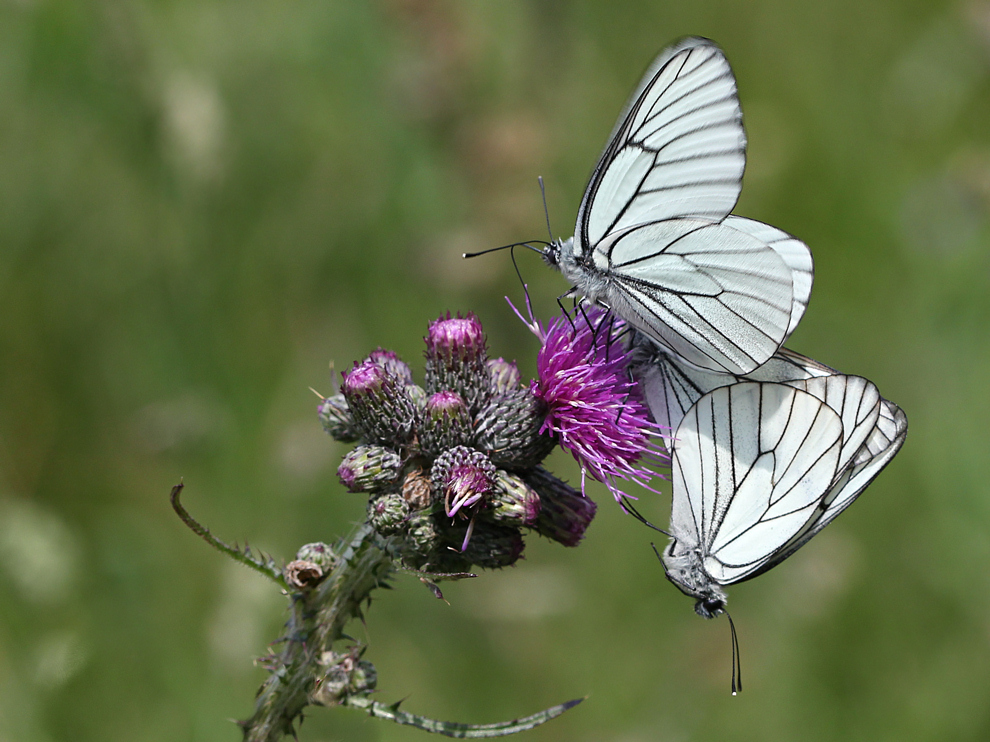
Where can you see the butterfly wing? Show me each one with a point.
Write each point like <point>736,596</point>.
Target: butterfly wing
<point>752,462</point>
<point>678,149</point>
<point>715,296</point>
<point>884,440</point>
<point>795,254</point>
<point>670,387</point>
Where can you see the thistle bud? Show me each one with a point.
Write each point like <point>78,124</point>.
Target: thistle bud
<point>337,420</point>
<point>422,534</point>
<point>513,502</point>
<point>505,375</point>
<point>462,478</point>
<point>300,574</point>
<point>344,675</point>
<point>491,546</point>
<point>392,363</point>
<point>417,395</point>
<point>387,514</point>
<point>379,404</point>
<point>508,428</point>
<point>369,469</point>
<point>446,423</point>
<point>456,359</point>
<point>319,554</point>
<point>564,512</point>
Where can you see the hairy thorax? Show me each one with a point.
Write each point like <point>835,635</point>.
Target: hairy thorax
<point>684,567</point>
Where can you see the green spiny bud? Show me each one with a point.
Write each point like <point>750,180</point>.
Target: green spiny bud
<point>512,502</point>
<point>417,395</point>
<point>320,554</point>
<point>508,428</point>
<point>387,514</point>
<point>505,375</point>
<point>565,513</point>
<point>392,363</point>
<point>446,423</point>
<point>379,404</point>
<point>337,420</point>
<point>423,535</point>
<point>369,469</point>
<point>491,546</point>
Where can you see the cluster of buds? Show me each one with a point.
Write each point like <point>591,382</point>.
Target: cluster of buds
<point>452,469</point>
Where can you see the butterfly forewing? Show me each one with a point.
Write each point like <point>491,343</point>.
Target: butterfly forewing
<point>678,150</point>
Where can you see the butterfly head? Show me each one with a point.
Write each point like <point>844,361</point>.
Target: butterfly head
<point>685,569</point>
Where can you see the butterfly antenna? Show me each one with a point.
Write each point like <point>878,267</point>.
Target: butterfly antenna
<point>736,660</point>
<point>546,211</point>
<point>506,247</point>
<point>628,507</point>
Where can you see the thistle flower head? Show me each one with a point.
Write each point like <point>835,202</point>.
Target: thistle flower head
<point>377,400</point>
<point>594,408</point>
<point>388,360</point>
<point>446,422</point>
<point>455,338</point>
<point>505,375</point>
<point>463,478</point>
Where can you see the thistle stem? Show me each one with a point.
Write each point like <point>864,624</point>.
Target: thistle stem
<point>264,566</point>
<point>456,729</point>
<point>304,672</point>
<point>317,621</point>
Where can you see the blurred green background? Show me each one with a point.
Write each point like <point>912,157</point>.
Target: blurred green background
<point>204,203</point>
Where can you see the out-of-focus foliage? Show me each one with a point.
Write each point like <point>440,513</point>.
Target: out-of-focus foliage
<point>202,203</point>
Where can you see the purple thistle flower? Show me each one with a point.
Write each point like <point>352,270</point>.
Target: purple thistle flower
<point>467,486</point>
<point>594,408</point>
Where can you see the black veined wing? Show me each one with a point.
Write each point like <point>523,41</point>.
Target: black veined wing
<point>750,466</point>
<point>670,387</point>
<point>884,440</point>
<point>653,241</point>
<point>759,468</point>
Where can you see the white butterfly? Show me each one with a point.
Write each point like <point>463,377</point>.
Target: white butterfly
<point>654,241</point>
<point>759,468</point>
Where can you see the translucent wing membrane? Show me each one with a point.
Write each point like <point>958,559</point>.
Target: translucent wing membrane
<point>794,253</point>
<point>715,296</point>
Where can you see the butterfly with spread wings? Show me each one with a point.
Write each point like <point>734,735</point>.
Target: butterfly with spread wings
<point>654,240</point>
